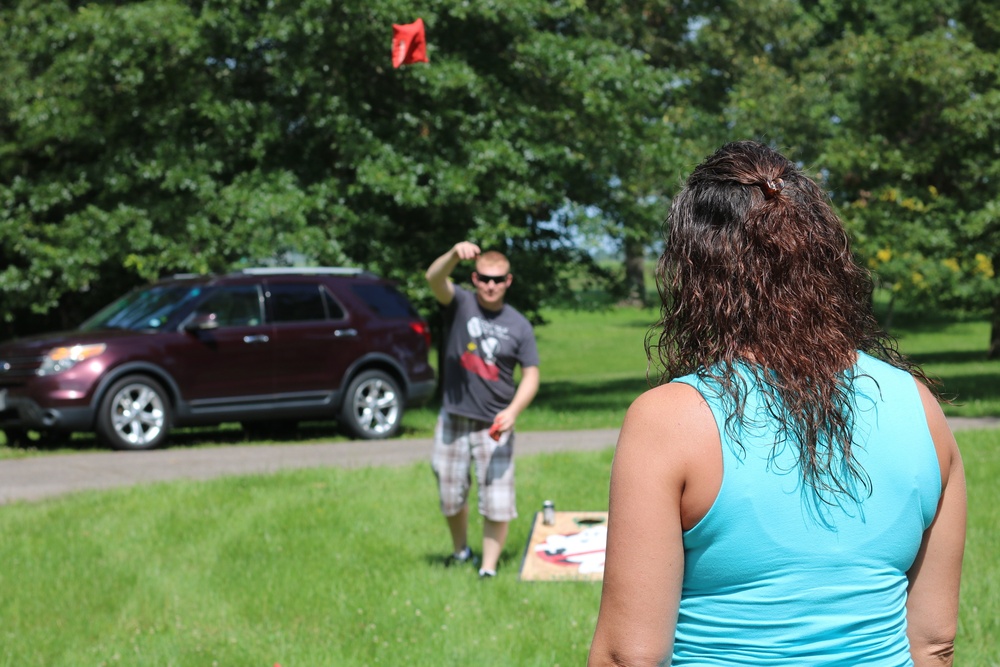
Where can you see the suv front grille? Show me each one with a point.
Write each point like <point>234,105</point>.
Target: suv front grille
<point>15,370</point>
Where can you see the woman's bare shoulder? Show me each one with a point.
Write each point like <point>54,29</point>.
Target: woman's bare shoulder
<point>937,424</point>
<point>670,437</point>
<point>673,413</point>
<point>673,403</point>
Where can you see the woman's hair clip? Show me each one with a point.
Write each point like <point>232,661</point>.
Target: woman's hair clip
<point>771,188</point>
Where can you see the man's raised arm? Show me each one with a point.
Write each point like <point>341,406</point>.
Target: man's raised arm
<point>440,269</point>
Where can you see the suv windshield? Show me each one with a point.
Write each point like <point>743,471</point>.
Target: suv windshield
<point>148,308</point>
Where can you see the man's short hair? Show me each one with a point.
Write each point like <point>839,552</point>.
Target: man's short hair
<point>493,258</point>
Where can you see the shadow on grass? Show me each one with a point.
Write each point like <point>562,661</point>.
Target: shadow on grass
<point>566,396</point>
<point>639,322</point>
<point>963,389</point>
<point>230,433</point>
<point>509,561</point>
<point>265,433</point>
<point>950,357</point>
<point>584,396</point>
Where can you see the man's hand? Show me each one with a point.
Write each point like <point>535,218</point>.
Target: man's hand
<point>465,250</point>
<point>504,421</point>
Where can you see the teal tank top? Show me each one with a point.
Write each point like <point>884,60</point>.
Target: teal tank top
<point>772,577</point>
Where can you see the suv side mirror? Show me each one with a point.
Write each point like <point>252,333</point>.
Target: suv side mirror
<point>202,322</point>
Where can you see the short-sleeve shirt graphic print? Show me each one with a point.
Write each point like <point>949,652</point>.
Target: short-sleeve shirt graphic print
<point>483,350</point>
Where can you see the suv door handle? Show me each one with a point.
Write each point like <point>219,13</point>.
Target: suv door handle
<point>345,332</point>
<point>260,338</point>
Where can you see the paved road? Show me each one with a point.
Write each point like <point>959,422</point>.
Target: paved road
<point>45,476</point>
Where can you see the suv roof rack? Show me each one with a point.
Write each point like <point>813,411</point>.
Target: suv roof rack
<point>305,270</point>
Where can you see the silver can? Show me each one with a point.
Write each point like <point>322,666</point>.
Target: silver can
<point>549,513</point>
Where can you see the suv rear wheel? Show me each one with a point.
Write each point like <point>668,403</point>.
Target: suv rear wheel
<point>135,414</point>
<point>373,406</point>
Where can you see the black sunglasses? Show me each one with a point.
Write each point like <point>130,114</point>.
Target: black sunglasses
<point>483,278</point>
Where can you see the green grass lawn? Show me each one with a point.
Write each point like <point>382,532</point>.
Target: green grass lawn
<point>332,567</point>
<point>594,365</point>
<point>955,354</point>
<point>979,620</point>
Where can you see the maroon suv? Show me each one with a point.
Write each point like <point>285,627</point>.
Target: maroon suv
<point>262,345</point>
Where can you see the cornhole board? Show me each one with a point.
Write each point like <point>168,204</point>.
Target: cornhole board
<point>571,549</point>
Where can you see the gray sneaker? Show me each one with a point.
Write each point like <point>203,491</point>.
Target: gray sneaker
<point>463,557</point>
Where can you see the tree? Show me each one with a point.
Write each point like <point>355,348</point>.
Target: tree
<point>125,155</point>
<point>893,106</point>
<point>143,138</point>
<point>634,152</point>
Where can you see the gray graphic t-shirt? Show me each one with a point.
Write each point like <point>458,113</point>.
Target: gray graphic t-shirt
<point>482,351</point>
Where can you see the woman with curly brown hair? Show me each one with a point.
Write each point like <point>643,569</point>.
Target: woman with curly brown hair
<point>793,495</point>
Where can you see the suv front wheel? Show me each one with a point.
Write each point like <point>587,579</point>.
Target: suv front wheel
<point>134,415</point>
<point>373,406</point>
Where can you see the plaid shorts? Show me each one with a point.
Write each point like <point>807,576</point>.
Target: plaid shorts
<point>458,443</point>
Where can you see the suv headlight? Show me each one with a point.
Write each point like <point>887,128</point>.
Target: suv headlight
<point>64,358</point>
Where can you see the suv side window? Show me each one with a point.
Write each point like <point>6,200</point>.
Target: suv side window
<point>297,302</point>
<point>233,306</point>
<point>333,309</point>
<point>385,301</point>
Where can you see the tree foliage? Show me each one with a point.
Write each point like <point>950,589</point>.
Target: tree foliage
<point>894,107</point>
<point>144,138</point>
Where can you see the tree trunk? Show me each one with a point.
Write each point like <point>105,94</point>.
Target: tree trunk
<point>994,349</point>
<point>635,273</point>
<point>890,311</point>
